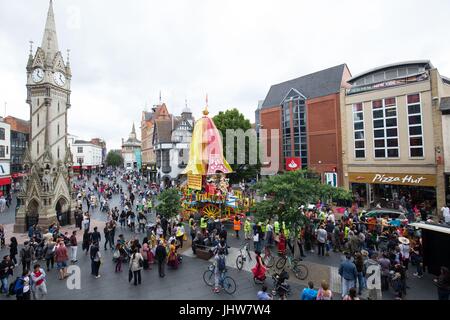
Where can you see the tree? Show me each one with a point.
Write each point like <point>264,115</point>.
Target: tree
<point>114,159</point>
<point>233,119</point>
<point>169,203</point>
<point>286,192</point>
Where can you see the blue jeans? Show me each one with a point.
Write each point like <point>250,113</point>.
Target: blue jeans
<point>5,287</point>
<point>346,286</point>
<point>361,282</point>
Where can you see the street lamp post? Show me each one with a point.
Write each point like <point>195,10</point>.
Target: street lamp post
<point>80,162</point>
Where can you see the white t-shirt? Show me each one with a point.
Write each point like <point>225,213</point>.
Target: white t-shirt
<point>446,213</point>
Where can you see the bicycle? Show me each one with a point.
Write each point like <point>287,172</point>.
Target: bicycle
<point>244,252</point>
<point>269,259</point>
<point>300,270</point>
<point>226,282</point>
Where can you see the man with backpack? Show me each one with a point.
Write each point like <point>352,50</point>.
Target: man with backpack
<point>27,255</point>
<point>21,287</point>
<point>220,260</point>
<point>6,270</point>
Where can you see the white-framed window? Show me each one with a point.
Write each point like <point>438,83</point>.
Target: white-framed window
<point>385,128</point>
<point>80,149</point>
<point>358,131</point>
<point>415,126</point>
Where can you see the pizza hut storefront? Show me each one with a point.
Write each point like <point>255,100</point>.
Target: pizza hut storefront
<point>387,189</point>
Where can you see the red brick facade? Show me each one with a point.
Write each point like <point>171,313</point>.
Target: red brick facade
<point>324,135</point>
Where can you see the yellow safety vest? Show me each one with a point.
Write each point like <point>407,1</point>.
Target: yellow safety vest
<point>276,226</point>
<point>247,226</point>
<point>203,223</point>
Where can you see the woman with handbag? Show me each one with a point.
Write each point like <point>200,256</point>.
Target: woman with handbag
<point>136,265</point>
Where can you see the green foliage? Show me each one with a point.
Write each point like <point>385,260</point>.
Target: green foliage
<point>169,203</point>
<point>233,119</point>
<point>114,159</point>
<point>287,192</point>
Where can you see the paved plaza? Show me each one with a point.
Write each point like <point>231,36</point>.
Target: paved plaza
<point>187,282</point>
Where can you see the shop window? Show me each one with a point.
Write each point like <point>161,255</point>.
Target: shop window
<point>2,151</point>
<point>415,129</point>
<point>358,125</point>
<point>385,128</point>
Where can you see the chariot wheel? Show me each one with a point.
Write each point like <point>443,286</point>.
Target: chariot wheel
<point>211,210</point>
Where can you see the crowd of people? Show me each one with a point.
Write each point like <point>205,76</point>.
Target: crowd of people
<point>393,248</point>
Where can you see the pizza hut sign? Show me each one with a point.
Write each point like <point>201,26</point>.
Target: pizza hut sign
<point>382,178</point>
<point>424,180</point>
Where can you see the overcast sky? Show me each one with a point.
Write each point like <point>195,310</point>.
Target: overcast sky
<point>123,53</point>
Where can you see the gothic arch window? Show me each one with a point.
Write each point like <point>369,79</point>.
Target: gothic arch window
<point>38,119</point>
<point>57,129</point>
<point>38,103</point>
<point>58,106</point>
<point>37,147</point>
<point>58,150</point>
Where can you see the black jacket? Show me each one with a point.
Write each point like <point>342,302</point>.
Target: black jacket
<point>6,269</point>
<point>160,253</point>
<point>96,236</point>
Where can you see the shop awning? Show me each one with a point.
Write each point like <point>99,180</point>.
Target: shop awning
<point>432,227</point>
<point>18,175</point>
<point>4,181</point>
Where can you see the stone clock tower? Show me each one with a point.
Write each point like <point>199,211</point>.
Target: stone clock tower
<point>45,197</point>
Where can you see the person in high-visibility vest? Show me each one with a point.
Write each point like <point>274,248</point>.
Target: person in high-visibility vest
<point>203,223</point>
<point>237,226</point>
<point>276,226</point>
<point>263,227</point>
<point>285,230</point>
<point>248,229</point>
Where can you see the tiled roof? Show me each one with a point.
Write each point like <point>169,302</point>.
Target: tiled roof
<point>318,84</point>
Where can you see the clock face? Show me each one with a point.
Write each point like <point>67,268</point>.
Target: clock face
<point>38,75</point>
<point>59,78</point>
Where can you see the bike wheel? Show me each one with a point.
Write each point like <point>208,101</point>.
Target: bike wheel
<point>208,277</point>
<point>229,285</point>
<point>281,263</point>
<point>269,261</point>
<point>239,262</point>
<point>258,281</point>
<point>300,270</point>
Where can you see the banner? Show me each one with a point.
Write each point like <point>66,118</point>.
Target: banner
<point>293,164</point>
<point>195,181</point>
<point>138,157</point>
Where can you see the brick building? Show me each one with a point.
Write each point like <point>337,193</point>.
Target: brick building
<point>306,111</point>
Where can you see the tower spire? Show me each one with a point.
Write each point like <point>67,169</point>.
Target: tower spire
<point>206,112</point>
<point>50,40</point>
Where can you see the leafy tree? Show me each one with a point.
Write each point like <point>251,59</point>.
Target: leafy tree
<point>114,159</point>
<point>169,203</point>
<point>286,192</point>
<point>233,119</point>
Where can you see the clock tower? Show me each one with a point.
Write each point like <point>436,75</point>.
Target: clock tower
<point>45,197</point>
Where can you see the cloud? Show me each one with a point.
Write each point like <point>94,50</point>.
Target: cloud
<point>124,53</point>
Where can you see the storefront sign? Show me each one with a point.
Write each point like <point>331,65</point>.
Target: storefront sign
<point>293,164</point>
<point>386,84</point>
<point>195,181</point>
<point>424,180</point>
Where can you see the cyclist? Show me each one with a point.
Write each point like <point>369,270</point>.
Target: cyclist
<point>220,264</point>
